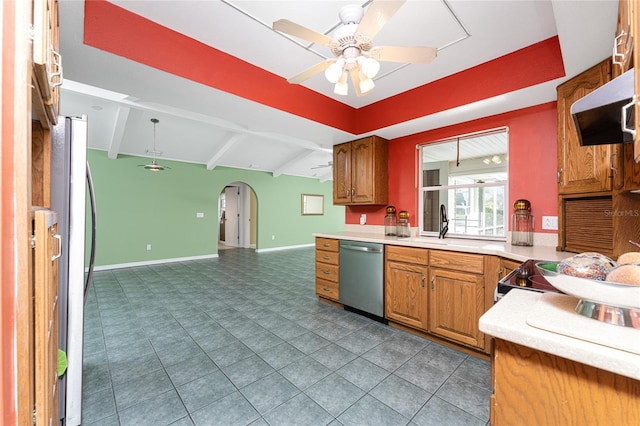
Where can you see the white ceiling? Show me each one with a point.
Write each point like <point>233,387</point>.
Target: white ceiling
<point>204,125</point>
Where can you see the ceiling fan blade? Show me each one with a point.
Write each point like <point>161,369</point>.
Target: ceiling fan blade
<point>355,79</point>
<point>377,15</point>
<point>297,30</point>
<point>411,55</point>
<point>310,72</point>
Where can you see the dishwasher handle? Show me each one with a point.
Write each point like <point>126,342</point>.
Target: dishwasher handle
<point>361,248</point>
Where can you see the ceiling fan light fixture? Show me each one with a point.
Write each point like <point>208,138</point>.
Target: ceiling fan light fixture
<point>369,66</point>
<point>334,71</point>
<point>366,84</point>
<point>341,87</point>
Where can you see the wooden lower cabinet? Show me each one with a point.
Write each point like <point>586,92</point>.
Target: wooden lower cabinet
<point>406,289</point>
<point>456,304</point>
<point>328,268</point>
<point>439,293</point>
<point>532,387</point>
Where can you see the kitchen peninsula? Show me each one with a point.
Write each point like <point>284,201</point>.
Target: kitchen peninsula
<point>548,377</point>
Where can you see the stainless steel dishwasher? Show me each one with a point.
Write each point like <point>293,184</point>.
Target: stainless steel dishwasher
<point>361,272</point>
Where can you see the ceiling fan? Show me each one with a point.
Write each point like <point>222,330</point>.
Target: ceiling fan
<point>154,166</point>
<point>322,166</point>
<point>355,57</point>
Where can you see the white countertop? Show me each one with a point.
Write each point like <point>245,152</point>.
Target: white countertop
<point>497,248</point>
<point>511,318</point>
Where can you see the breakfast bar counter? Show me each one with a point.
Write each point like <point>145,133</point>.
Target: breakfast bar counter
<point>560,331</point>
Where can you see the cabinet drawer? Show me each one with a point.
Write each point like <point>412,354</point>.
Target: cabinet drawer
<point>327,244</point>
<point>327,289</point>
<point>331,257</point>
<point>407,254</point>
<point>327,272</point>
<point>467,262</point>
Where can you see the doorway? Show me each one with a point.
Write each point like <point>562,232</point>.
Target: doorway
<point>237,217</point>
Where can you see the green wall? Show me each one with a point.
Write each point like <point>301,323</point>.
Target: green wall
<point>136,207</point>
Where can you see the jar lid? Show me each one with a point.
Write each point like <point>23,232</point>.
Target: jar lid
<point>403,214</point>
<point>522,205</point>
<point>391,209</point>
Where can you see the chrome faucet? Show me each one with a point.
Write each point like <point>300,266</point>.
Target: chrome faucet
<point>444,222</point>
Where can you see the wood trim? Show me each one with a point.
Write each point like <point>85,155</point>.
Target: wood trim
<point>15,253</point>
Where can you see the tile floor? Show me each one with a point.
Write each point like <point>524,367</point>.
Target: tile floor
<point>242,339</point>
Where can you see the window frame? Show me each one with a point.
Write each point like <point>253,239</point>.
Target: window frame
<point>451,217</point>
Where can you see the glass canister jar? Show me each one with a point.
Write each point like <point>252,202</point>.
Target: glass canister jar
<point>390,222</point>
<point>522,224</point>
<point>404,227</point>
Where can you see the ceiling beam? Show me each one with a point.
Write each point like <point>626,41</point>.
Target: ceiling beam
<point>117,134</point>
<point>214,161</point>
<point>284,166</point>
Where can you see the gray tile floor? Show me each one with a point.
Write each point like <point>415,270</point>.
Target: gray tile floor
<point>242,339</point>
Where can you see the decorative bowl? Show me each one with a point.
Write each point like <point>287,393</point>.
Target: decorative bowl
<point>612,303</point>
<point>602,292</point>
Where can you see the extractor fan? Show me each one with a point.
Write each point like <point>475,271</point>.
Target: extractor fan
<point>154,166</point>
<point>355,57</point>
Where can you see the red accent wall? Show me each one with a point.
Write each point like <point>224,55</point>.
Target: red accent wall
<point>505,74</point>
<point>532,163</point>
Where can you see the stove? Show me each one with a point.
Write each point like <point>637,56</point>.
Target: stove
<point>525,276</point>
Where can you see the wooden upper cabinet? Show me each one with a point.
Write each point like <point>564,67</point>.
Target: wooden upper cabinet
<point>584,169</point>
<point>623,42</point>
<point>360,172</point>
<point>47,62</point>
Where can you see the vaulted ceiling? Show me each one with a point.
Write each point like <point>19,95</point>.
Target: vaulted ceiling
<point>214,73</point>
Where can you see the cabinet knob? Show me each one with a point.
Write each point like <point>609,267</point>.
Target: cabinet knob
<point>326,272</point>
<point>433,280</point>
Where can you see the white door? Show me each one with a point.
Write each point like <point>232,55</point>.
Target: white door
<point>232,212</point>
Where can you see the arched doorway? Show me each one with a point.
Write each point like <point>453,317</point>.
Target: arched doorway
<point>237,217</point>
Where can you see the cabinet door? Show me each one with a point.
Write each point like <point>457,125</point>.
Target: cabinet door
<point>362,172</point>
<point>406,294</point>
<point>583,169</point>
<point>342,173</point>
<point>456,303</point>
<point>47,252</point>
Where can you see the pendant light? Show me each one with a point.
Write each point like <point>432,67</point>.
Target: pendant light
<point>154,166</point>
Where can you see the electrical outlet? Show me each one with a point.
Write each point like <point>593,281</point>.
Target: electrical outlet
<point>199,215</point>
<point>550,222</point>
<point>363,219</point>
<point>148,247</point>
<point>273,237</point>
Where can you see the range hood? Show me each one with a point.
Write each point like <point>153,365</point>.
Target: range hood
<point>598,115</point>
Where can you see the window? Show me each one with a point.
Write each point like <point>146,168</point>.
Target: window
<point>463,186</point>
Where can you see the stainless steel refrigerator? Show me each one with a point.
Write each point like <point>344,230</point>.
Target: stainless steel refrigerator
<point>73,199</point>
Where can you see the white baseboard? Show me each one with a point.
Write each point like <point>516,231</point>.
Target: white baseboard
<point>153,262</point>
<point>284,248</point>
